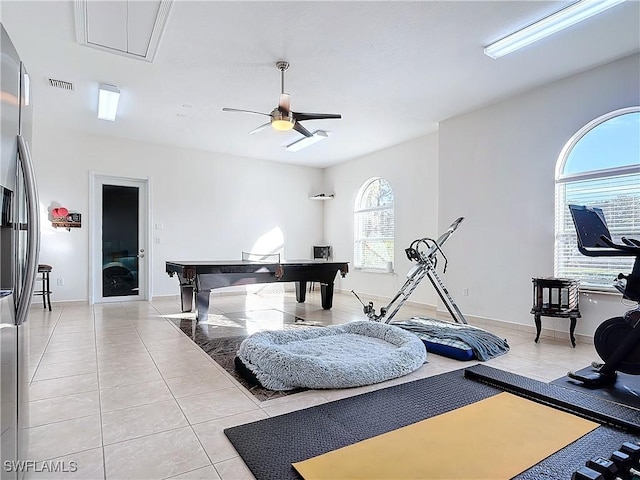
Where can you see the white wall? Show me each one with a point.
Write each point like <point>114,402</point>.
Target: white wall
<point>212,206</point>
<point>412,170</point>
<point>496,168</point>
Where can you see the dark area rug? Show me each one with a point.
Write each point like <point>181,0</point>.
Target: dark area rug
<point>626,390</point>
<point>221,336</point>
<point>270,446</point>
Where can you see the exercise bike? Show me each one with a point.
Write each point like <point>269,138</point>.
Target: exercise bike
<point>617,340</point>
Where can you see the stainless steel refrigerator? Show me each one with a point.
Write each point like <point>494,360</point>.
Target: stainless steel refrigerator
<point>19,247</point>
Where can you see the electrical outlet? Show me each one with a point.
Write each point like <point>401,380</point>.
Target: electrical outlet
<point>60,282</point>
<point>465,292</point>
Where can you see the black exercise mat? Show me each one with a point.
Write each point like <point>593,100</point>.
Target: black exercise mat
<point>269,446</point>
<point>573,401</point>
<point>625,391</point>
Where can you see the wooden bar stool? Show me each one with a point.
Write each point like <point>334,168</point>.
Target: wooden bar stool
<point>45,270</point>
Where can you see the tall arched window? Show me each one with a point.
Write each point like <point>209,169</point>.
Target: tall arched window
<point>599,167</point>
<point>373,225</point>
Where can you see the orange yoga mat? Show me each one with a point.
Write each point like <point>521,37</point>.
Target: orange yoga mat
<point>495,438</point>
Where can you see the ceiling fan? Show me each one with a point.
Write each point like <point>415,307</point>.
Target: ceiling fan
<point>282,118</point>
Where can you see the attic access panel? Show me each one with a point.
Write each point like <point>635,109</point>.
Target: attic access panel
<point>125,27</point>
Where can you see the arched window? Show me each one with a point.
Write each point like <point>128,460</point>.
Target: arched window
<point>373,225</point>
<point>599,167</point>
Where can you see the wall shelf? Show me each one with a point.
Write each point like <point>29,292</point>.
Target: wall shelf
<point>73,220</point>
<point>322,196</point>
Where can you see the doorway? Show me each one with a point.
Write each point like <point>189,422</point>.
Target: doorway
<point>120,265</point>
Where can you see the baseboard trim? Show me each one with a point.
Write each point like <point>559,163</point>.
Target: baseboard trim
<point>483,322</point>
<point>62,303</point>
<point>531,329</point>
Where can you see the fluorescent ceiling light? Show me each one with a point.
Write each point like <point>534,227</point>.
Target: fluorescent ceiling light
<point>306,141</point>
<point>108,102</point>
<point>548,26</point>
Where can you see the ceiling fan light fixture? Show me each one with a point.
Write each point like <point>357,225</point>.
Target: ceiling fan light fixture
<point>282,121</point>
<point>281,117</point>
<point>282,125</point>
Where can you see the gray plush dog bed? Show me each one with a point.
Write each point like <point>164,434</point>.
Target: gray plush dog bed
<point>338,356</point>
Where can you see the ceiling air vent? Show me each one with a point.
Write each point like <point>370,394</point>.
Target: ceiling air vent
<point>60,84</point>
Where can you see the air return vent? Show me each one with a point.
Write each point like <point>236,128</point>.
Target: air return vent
<point>60,84</point>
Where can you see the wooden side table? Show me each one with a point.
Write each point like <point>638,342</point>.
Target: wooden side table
<point>556,297</point>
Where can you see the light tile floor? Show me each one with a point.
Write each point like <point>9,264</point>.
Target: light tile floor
<point>122,392</point>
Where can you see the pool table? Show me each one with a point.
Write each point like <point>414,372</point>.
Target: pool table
<point>200,277</point>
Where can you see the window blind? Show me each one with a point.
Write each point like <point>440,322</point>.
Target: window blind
<point>618,196</point>
<point>374,226</point>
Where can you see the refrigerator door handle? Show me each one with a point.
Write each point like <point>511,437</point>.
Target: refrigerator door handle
<point>33,231</point>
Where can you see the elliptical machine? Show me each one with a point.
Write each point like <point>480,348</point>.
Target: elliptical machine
<point>617,340</point>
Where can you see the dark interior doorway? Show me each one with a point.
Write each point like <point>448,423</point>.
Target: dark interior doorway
<point>120,240</point>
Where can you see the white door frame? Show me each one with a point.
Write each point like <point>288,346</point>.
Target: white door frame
<point>96,181</point>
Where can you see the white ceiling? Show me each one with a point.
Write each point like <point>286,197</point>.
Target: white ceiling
<point>392,69</point>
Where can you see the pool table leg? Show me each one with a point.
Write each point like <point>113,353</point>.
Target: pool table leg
<point>202,305</point>
<point>326,292</point>
<point>301,291</point>
<point>186,297</point>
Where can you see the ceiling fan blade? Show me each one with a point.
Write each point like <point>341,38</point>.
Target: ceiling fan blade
<point>285,103</point>
<point>225,109</point>
<point>260,128</point>
<point>300,116</point>
<point>299,128</point>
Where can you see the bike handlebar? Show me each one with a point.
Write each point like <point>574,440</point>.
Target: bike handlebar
<point>632,248</point>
